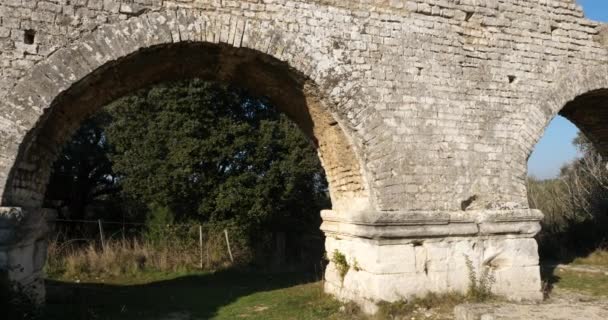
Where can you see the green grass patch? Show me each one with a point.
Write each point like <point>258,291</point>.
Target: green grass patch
<point>221,295</point>
<point>305,301</point>
<point>596,258</point>
<point>589,283</point>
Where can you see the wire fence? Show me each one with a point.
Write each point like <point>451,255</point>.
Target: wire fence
<point>193,245</point>
<point>101,247</point>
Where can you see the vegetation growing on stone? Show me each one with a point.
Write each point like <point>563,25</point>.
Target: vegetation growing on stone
<point>356,266</point>
<point>480,286</point>
<point>339,260</point>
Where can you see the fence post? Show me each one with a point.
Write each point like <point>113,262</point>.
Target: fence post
<point>123,226</point>
<point>208,256</point>
<point>101,237</point>
<point>200,243</point>
<point>228,244</point>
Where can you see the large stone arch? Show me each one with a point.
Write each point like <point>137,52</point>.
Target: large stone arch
<point>121,58</point>
<point>46,106</point>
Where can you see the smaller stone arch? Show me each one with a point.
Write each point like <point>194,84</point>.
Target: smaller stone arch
<point>576,95</point>
<point>581,96</point>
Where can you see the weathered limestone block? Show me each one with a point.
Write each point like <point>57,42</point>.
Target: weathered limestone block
<point>373,258</point>
<point>389,267</point>
<point>518,282</point>
<point>21,262</point>
<point>23,249</point>
<point>520,252</point>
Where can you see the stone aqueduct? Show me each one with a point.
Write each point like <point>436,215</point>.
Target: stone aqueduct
<point>424,113</point>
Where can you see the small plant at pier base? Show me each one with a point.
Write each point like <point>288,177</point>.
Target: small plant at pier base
<point>479,289</point>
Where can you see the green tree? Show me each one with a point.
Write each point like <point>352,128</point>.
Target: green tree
<point>194,151</point>
<point>211,152</point>
<point>83,172</point>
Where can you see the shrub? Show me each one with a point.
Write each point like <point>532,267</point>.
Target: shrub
<point>339,260</point>
<point>479,289</point>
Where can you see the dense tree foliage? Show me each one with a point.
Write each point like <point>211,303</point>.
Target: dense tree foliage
<point>206,151</point>
<point>83,172</point>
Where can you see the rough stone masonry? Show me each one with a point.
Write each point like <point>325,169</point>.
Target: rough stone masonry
<point>423,112</point>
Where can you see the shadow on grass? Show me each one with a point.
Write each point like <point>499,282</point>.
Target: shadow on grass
<point>548,278</point>
<point>197,296</point>
<point>578,240</point>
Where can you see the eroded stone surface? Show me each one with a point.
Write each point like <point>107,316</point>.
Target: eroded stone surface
<point>424,112</point>
<point>442,101</point>
<point>388,271</point>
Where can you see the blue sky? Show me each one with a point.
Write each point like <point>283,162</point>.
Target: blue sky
<point>555,148</point>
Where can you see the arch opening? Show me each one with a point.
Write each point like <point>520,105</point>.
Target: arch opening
<point>168,164</point>
<point>574,196</point>
<point>589,112</point>
<point>292,93</point>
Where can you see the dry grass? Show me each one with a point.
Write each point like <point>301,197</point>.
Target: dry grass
<point>596,258</point>
<point>595,284</point>
<point>432,306</point>
<point>131,256</point>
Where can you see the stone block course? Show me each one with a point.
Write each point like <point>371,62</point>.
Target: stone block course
<point>432,265</point>
<point>416,106</point>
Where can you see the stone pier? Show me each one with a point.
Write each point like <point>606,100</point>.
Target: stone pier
<point>23,247</point>
<point>397,256</point>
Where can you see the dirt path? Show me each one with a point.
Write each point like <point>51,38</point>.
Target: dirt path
<point>561,306</point>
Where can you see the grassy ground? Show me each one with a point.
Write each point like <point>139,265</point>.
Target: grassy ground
<point>596,258</point>
<point>240,295</point>
<point>595,284</point>
<point>591,283</point>
<point>224,295</point>
<point>245,295</point>
<point>116,283</point>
